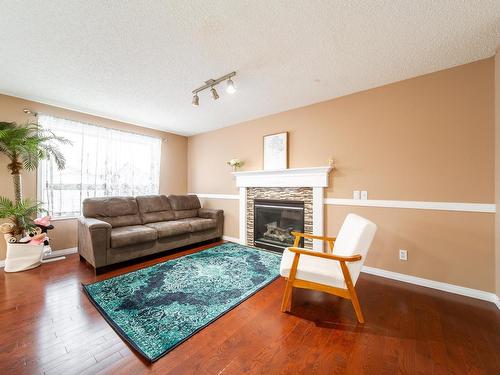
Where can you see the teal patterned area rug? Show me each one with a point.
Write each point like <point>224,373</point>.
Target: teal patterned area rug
<point>157,308</point>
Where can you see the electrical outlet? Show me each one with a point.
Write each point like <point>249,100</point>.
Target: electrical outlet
<point>403,254</point>
<point>364,195</point>
<point>355,194</point>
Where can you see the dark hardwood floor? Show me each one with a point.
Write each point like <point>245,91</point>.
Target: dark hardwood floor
<point>47,325</point>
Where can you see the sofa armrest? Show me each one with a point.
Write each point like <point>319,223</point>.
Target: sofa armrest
<point>94,237</point>
<point>218,215</point>
<point>209,213</point>
<point>93,224</point>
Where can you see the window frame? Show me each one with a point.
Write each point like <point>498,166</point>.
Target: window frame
<point>41,163</point>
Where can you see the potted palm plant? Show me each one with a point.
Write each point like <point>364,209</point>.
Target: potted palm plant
<point>20,256</point>
<point>25,145</point>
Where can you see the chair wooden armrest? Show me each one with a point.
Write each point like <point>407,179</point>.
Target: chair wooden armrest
<point>340,258</point>
<point>313,237</point>
<point>297,235</point>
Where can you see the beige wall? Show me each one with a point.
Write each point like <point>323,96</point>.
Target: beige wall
<point>231,216</point>
<point>173,176</point>
<point>430,138</point>
<point>497,169</point>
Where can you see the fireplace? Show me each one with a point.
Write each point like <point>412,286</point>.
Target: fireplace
<point>274,220</point>
<point>294,184</point>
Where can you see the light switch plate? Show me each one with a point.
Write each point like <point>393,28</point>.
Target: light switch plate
<point>403,254</point>
<point>355,194</point>
<point>364,194</point>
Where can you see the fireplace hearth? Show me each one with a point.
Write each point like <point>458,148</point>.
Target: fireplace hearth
<point>274,220</point>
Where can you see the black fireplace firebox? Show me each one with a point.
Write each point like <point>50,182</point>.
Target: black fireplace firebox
<point>274,220</point>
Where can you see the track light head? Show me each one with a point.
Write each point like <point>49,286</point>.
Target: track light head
<point>230,89</point>
<point>215,96</point>
<point>196,100</point>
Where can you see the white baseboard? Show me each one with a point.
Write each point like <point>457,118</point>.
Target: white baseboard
<point>231,239</point>
<point>445,287</point>
<point>68,251</point>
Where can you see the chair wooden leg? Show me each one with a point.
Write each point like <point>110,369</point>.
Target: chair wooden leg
<point>352,292</point>
<point>287,297</point>
<point>356,305</point>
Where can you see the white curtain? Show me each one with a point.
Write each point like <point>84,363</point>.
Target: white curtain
<point>100,162</point>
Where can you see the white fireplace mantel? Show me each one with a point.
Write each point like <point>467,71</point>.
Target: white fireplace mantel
<point>316,178</point>
<point>293,177</point>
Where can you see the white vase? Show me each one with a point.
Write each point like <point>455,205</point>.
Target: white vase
<point>21,257</point>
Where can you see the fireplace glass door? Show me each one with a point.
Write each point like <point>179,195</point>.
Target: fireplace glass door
<point>274,220</point>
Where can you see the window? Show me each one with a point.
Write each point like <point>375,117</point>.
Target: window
<point>100,162</point>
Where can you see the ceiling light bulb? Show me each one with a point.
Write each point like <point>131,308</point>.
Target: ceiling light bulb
<point>196,100</point>
<point>215,96</point>
<point>230,89</point>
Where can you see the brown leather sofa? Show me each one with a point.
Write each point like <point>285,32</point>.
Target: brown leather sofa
<point>116,229</point>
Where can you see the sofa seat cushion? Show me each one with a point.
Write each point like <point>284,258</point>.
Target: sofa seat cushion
<point>170,228</point>
<point>318,270</point>
<point>131,235</point>
<point>198,224</point>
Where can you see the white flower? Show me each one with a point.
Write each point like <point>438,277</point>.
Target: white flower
<point>235,163</point>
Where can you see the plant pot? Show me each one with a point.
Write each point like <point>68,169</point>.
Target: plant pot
<point>21,257</point>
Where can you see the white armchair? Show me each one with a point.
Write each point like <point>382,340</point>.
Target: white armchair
<point>334,271</point>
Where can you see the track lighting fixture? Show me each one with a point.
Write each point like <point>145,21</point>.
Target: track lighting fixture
<point>215,96</point>
<point>210,84</point>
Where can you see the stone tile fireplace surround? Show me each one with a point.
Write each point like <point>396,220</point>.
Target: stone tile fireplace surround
<point>298,184</point>
<point>302,194</point>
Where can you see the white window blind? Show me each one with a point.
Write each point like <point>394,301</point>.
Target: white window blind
<point>100,162</point>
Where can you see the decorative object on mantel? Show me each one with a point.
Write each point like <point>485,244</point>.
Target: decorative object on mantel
<point>276,151</point>
<point>235,164</point>
<point>331,162</point>
<point>24,145</point>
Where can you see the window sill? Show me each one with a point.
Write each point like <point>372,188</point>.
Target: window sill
<point>64,218</point>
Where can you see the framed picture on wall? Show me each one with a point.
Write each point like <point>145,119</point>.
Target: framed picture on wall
<point>276,151</point>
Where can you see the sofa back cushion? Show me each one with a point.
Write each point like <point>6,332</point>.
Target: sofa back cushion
<point>117,211</point>
<point>184,206</point>
<point>154,208</point>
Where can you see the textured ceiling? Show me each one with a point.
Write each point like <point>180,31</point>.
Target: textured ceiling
<point>138,61</point>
